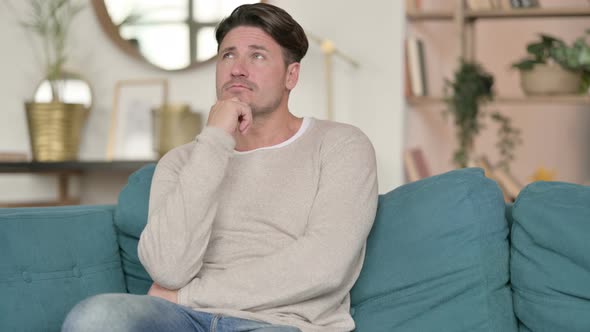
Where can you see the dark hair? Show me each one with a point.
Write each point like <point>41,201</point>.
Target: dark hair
<point>274,21</point>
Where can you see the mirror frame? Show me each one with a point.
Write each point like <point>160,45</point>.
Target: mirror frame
<point>108,27</point>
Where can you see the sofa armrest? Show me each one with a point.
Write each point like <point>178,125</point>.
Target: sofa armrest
<point>52,258</point>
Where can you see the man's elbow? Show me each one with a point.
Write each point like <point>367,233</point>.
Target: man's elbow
<point>169,276</point>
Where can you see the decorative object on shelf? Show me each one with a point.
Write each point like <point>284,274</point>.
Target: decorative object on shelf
<point>543,174</point>
<point>553,67</point>
<point>131,130</point>
<point>144,125</point>
<point>470,88</point>
<point>55,126</point>
<point>174,125</point>
<point>55,130</point>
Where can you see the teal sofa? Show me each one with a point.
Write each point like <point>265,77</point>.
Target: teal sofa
<point>445,254</point>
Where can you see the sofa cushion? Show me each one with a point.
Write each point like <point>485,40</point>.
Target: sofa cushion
<point>52,258</point>
<point>437,259</point>
<point>130,218</point>
<point>550,257</point>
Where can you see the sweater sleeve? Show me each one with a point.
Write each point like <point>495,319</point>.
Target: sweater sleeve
<point>326,259</point>
<point>182,207</point>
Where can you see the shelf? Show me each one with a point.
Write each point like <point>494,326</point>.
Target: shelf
<point>64,170</point>
<point>430,15</point>
<point>528,13</point>
<point>72,166</point>
<point>425,101</point>
<point>565,99</point>
<point>434,15</point>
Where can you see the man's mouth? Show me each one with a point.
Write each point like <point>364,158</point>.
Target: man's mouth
<point>237,85</point>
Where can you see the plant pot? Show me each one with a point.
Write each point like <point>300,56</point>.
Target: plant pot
<point>550,79</point>
<point>174,125</point>
<point>55,130</point>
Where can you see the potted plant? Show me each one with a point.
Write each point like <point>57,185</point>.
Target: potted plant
<point>54,127</point>
<point>470,88</point>
<point>553,67</point>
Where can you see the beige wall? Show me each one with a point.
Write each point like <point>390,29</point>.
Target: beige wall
<point>368,97</point>
<point>556,136</point>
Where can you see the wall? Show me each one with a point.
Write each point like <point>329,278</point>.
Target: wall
<point>368,97</point>
<point>555,136</point>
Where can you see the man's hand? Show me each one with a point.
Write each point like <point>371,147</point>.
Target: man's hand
<point>230,115</point>
<point>159,291</point>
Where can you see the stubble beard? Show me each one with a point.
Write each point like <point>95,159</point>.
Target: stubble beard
<point>266,110</point>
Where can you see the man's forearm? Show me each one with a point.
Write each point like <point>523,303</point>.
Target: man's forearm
<point>183,203</point>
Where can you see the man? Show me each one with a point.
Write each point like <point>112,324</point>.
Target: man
<point>260,223</point>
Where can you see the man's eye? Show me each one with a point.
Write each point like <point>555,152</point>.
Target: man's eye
<point>227,56</point>
<point>258,56</point>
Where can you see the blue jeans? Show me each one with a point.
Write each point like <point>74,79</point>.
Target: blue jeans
<point>126,312</point>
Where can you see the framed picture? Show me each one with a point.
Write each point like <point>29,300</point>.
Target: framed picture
<point>131,135</point>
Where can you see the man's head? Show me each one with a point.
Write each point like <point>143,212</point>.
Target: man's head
<point>259,50</point>
<point>274,21</point>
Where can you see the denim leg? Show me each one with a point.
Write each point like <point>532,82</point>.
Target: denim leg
<point>126,312</point>
<point>139,313</point>
<point>232,324</point>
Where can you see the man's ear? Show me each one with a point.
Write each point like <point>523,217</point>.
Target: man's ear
<point>292,75</point>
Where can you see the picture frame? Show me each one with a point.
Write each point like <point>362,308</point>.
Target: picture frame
<point>131,135</point>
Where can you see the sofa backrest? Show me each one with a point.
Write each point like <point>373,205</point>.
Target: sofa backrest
<point>52,258</point>
<point>130,218</point>
<point>550,257</point>
<point>437,259</point>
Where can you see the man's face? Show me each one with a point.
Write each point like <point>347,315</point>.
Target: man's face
<point>251,67</point>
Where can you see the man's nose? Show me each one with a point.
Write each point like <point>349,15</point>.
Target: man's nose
<point>239,69</point>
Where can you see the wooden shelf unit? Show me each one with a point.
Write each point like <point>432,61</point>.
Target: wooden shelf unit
<point>464,18</point>
<point>442,15</point>
<point>464,21</point>
<point>562,99</point>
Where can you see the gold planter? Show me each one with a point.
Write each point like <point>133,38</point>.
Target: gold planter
<point>174,125</point>
<point>55,130</point>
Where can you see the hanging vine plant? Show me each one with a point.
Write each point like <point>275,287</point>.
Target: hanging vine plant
<point>465,95</point>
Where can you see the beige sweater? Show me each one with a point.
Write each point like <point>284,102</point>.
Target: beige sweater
<point>275,234</point>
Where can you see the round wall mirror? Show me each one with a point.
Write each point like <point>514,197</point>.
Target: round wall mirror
<point>169,34</point>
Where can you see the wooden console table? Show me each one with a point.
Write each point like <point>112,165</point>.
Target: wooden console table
<point>64,170</point>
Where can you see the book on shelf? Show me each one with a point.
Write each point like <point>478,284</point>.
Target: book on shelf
<point>415,165</point>
<point>416,66</point>
<point>510,186</point>
<point>506,181</point>
<point>480,4</point>
<point>529,3</point>
<point>413,5</point>
<point>483,163</point>
<point>505,4</point>
<point>407,79</point>
<point>524,3</point>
